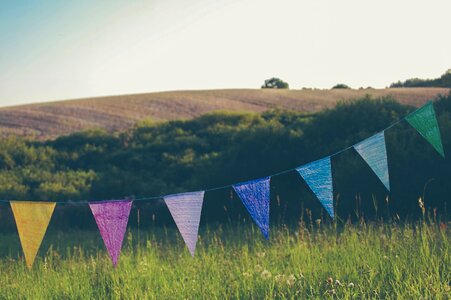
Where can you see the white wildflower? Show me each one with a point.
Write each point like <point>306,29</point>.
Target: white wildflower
<point>291,280</point>
<point>266,274</point>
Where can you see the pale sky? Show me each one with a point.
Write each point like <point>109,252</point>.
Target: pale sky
<point>53,50</point>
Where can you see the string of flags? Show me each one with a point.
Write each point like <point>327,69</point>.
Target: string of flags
<point>32,217</point>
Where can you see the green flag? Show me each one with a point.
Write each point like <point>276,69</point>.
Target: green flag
<point>425,122</point>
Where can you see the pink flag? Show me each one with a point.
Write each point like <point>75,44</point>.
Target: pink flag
<point>112,218</point>
<point>185,210</point>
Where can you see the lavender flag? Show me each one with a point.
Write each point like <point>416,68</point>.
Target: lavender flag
<point>186,210</point>
<point>318,176</point>
<point>112,218</point>
<point>374,152</point>
<point>255,196</point>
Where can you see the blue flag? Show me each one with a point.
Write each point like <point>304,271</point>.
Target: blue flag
<point>318,176</point>
<point>255,196</point>
<point>374,152</point>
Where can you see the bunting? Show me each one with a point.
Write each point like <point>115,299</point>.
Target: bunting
<point>112,218</point>
<point>425,122</point>
<point>255,196</point>
<point>32,220</point>
<point>318,176</point>
<point>186,210</point>
<point>374,152</point>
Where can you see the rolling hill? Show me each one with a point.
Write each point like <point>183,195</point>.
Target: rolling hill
<point>52,119</point>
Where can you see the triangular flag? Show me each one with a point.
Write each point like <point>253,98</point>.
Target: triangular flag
<point>32,220</point>
<point>318,176</point>
<point>112,218</point>
<point>185,210</point>
<point>255,196</point>
<point>425,122</point>
<point>374,152</point>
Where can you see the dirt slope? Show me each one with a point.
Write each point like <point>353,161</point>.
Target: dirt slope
<point>48,120</point>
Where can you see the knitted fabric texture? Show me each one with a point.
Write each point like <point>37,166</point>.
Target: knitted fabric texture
<point>186,210</point>
<point>255,196</point>
<point>318,176</point>
<point>425,122</point>
<point>374,152</point>
<point>32,219</point>
<point>112,218</point>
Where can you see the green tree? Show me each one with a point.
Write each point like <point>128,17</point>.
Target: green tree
<point>275,83</point>
<point>340,86</point>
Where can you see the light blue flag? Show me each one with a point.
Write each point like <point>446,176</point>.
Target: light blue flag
<point>318,176</point>
<point>255,196</point>
<point>374,152</point>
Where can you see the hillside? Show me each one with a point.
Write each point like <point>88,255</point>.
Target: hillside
<point>48,120</point>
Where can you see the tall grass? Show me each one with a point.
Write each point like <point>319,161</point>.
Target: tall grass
<point>368,260</point>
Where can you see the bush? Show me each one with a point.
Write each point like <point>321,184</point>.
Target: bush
<point>275,83</point>
<point>340,86</point>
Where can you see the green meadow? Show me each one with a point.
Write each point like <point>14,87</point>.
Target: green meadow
<point>210,150</point>
<point>379,246</point>
<point>310,260</point>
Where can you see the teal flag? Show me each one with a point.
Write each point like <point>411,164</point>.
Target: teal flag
<point>374,152</point>
<point>318,176</point>
<point>425,122</point>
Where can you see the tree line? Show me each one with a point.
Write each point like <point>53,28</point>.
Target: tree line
<point>443,81</point>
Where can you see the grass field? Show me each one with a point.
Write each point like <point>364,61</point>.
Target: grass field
<point>366,261</point>
<point>49,120</point>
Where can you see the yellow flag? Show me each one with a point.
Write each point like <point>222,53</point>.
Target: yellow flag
<point>32,219</point>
